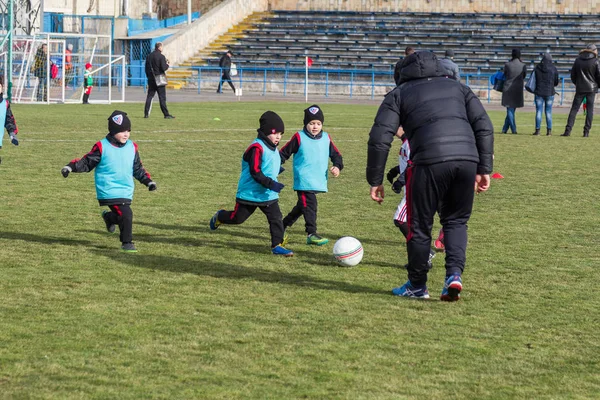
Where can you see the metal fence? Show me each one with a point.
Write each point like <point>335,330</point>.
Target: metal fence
<point>324,82</point>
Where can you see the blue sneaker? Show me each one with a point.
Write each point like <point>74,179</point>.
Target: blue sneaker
<point>282,251</point>
<point>214,221</point>
<point>408,290</point>
<point>452,288</point>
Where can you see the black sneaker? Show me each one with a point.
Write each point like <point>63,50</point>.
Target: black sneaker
<point>110,227</point>
<point>128,248</point>
<point>169,117</point>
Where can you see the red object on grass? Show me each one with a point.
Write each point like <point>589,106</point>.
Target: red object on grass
<point>497,176</point>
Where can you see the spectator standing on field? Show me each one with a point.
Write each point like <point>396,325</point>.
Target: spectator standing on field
<point>156,64</point>
<point>585,74</point>
<point>40,70</point>
<point>546,79</point>
<point>407,52</point>
<point>512,95</point>
<point>450,66</point>
<point>225,65</point>
<point>452,144</point>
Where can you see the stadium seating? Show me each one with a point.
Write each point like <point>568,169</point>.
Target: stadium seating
<point>482,43</point>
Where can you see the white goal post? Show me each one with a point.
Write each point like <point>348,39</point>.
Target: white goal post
<point>56,74</point>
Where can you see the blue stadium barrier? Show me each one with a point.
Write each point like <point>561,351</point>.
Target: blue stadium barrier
<point>357,82</point>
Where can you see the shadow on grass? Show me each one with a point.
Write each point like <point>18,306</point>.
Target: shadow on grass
<point>27,237</point>
<point>228,271</point>
<point>247,231</point>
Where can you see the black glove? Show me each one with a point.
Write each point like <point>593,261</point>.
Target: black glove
<point>13,139</point>
<point>393,173</point>
<point>152,186</point>
<point>65,171</point>
<point>397,186</point>
<point>276,186</point>
<point>399,183</point>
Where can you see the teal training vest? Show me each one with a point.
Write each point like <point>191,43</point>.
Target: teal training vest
<point>311,162</point>
<point>3,106</point>
<point>248,188</point>
<point>114,173</point>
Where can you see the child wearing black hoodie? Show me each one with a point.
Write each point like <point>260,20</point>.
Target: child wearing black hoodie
<point>258,186</point>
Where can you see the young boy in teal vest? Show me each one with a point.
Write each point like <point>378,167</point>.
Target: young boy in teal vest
<point>117,161</point>
<point>7,117</point>
<point>258,186</point>
<point>312,148</point>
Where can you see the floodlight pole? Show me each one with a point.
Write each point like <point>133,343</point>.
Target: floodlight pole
<point>11,27</point>
<point>189,9</point>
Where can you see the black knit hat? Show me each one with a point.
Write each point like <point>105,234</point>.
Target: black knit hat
<point>312,113</point>
<point>118,122</point>
<point>270,123</point>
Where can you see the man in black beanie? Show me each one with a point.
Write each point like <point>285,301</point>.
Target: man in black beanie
<point>117,161</point>
<point>258,186</point>
<point>448,63</point>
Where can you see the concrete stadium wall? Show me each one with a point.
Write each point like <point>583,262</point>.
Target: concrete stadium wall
<point>187,42</point>
<point>106,8</point>
<point>458,6</point>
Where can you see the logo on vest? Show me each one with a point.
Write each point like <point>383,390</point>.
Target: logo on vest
<point>273,131</point>
<point>313,110</point>
<point>118,119</point>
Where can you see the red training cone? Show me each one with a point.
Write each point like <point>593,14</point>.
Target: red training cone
<point>497,176</point>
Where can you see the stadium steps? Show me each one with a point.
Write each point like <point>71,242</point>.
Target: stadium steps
<point>177,78</point>
<point>225,41</point>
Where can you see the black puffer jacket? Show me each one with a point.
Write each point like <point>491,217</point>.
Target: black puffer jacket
<point>442,118</point>
<point>585,73</point>
<point>546,77</point>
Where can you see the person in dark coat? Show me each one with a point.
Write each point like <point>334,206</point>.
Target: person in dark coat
<point>585,74</point>
<point>450,65</point>
<point>512,95</point>
<point>407,52</point>
<point>156,64</point>
<point>452,144</point>
<point>40,70</point>
<point>546,79</point>
<point>225,64</point>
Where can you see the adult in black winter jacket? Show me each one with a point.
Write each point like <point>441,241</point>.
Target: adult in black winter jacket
<point>585,74</point>
<point>452,144</point>
<point>512,95</point>
<point>156,64</point>
<point>546,79</point>
<point>225,64</point>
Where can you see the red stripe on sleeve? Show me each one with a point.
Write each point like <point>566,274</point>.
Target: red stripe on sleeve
<point>255,165</point>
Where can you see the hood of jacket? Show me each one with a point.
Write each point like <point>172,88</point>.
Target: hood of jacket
<point>423,64</point>
<point>546,64</point>
<point>587,55</point>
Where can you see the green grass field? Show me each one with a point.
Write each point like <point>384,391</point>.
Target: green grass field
<point>200,314</point>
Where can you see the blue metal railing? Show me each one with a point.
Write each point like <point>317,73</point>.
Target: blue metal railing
<point>325,82</point>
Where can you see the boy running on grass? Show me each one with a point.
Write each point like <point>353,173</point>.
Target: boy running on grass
<point>312,148</point>
<point>7,117</point>
<point>117,162</point>
<point>258,186</point>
